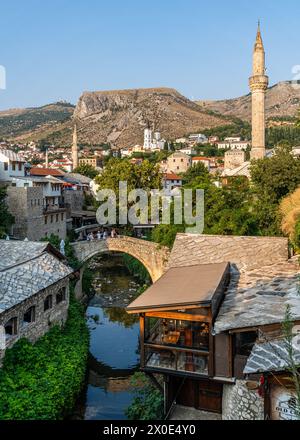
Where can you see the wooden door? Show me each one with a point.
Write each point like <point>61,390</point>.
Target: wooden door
<point>209,396</point>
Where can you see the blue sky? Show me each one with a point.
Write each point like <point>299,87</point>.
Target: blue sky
<point>56,49</point>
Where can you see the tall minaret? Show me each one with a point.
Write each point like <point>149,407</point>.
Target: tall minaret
<point>47,159</point>
<point>258,85</point>
<point>75,148</point>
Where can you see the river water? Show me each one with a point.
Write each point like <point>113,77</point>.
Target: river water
<point>114,344</point>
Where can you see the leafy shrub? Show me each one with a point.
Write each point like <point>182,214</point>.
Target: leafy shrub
<point>136,268</point>
<point>148,403</point>
<point>41,381</point>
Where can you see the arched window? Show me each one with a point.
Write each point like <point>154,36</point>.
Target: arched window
<point>11,327</point>
<point>61,296</point>
<point>48,303</point>
<point>29,315</point>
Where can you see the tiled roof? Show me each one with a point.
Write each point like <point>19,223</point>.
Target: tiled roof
<point>263,280</point>
<point>259,296</point>
<point>170,176</point>
<point>36,171</point>
<point>14,252</point>
<point>272,356</point>
<point>26,270</point>
<point>12,156</point>
<point>77,178</point>
<point>242,170</point>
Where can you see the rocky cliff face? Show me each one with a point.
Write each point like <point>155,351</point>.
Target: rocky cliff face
<point>120,116</point>
<point>282,100</point>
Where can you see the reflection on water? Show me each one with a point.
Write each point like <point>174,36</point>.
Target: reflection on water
<point>114,344</point>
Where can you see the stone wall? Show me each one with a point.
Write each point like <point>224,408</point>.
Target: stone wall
<point>26,205</point>
<point>74,201</point>
<point>245,252</point>
<point>234,159</point>
<point>239,403</point>
<point>43,319</point>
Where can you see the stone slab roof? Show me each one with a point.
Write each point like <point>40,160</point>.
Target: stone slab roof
<point>242,170</point>
<point>245,252</point>
<point>77,178</point>
<point>259,296</point>
<point>263,280</point>
<point>26,271</point>
<point>16,252</point>
<point>271,356</point>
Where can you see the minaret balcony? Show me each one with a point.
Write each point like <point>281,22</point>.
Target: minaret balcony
<point>259,82</point>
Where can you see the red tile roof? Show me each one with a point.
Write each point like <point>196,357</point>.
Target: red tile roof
<point>172,177</point>
<point>35,171</point>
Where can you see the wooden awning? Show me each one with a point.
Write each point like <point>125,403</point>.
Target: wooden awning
<point>182,287</point>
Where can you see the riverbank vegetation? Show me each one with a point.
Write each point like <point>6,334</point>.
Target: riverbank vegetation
<point>41,381</point>
<point>137,269</point>
<point>148,403</point>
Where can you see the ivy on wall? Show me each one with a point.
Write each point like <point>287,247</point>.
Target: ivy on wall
<point>41,381</point>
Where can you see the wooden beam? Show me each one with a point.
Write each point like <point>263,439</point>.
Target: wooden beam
<point>230,355</point>
<point>179,316</point>
<point>176,348</point>
<point>166,308</point>
<point>142,339</point>
<point>211,360</point>
<point>155,382</point>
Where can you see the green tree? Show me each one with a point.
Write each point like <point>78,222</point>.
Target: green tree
<point>69,251</point>
<point>86,170</point>
<point>146,175</point>
<point>6,219</point>
<point>272,179</point>
<point>198,171</point>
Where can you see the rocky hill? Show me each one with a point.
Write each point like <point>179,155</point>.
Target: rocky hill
<point>36,123</point>
<point>120,116</point>
<point>282,101</point>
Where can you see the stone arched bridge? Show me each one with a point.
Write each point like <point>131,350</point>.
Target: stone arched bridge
<point>153,256</point>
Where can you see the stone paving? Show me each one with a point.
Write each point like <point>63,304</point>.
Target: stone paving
<point>186,413</point>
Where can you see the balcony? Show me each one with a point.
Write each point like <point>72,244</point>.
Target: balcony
<point>49,208</point>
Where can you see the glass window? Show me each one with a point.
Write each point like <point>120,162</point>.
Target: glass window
<point>5,166</point>
<point>29,315</point>
<point>48,303</point>
<point>179,332</point>
<point>11,327</point>
<point>61,296</point>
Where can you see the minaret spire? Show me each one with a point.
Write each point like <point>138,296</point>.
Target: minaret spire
<point>258,85</point>
<point>75,148</point>
<point>47,159</point>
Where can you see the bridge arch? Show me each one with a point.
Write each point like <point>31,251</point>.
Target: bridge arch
<point>153,256</point>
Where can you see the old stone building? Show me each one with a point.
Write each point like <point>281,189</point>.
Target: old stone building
<point>34,291</point>
<point>212,325</point>
<point>178,163</point>
<point>33,219</point>
<point>234,159</point>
